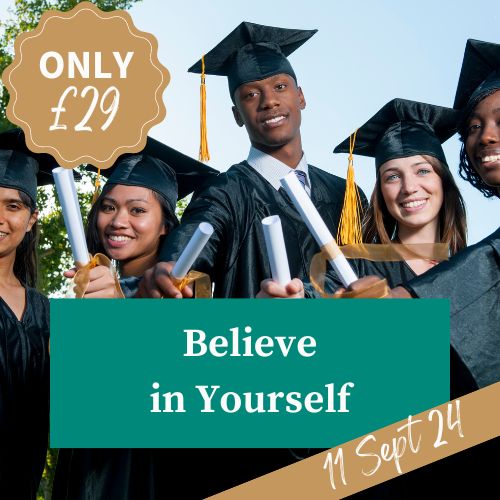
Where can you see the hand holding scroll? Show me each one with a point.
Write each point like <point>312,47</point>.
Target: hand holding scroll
<point>270,289</point>
<point>102,283</point>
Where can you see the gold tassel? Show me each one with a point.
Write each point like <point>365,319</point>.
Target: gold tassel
<point>349,230</point>
<point>204,154</point>
<point>97,184</point>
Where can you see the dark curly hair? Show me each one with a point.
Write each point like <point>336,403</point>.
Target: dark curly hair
<point>465,168</point>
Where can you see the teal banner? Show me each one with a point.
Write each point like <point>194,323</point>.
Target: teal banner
<point>241,372</point>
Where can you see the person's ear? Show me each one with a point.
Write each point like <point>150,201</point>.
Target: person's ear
<point>237,117</point>
<point>32,220</point>
<point>302,99</point>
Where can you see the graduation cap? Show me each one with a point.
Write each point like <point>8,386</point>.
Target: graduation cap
<point>399,129</point>
<point>161,168</point>
<point>251,52</point>
<point>480,73</point>
<point>20,168</point>
<point>404,128</point>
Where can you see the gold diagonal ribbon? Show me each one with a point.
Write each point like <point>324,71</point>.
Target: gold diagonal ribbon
<point>394,252</point>
<point>202,284</point>
<point>82,277</point>
<point>455,425</point>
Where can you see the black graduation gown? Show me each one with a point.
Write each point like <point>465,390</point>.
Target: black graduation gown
<point>471,280</point>
<point>400,273</point>
<point>24,396</point>
<point>156,474</point>
<point>235,203</point>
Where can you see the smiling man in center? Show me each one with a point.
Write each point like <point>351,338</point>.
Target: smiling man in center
<point>268,102</point>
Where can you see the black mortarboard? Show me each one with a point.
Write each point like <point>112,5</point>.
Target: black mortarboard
<point>404,128</point>
<point>253,52</point>
<point>20,168</point>
<point>162,169</point>
<point>480,73</point>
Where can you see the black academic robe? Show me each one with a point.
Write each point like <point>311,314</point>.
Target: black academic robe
<point>396,274</point>
<point>471,280</point>
<point>24,396</point>
<point>235,203</point>
<point>157,474</point>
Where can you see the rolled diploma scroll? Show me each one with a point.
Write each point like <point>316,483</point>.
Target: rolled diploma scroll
<point>318,228</point>
<point>192,250</point>
<point>66,190</point>
<point>276,250</point>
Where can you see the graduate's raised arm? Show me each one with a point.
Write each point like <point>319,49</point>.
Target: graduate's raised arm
<point>213,206</point>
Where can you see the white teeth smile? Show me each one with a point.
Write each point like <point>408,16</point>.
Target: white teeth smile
<point>414,204</point>
<point>2,234</point>
<point>119,238</point>
<point>275,120</point>
<point>486,159</point>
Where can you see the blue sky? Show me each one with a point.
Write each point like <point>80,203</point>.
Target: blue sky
<point>364,54</point>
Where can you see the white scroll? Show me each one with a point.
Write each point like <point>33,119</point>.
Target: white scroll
<point>318,228</point>
<point>192,250</point>
<point>276,250</point>
<point>66,190</point>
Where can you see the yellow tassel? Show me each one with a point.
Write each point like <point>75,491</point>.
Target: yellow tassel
<point>204,154</point>
<point>97,184</point>
<point>349,231</point>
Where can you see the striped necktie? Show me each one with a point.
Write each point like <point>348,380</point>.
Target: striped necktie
<point>302,178</point>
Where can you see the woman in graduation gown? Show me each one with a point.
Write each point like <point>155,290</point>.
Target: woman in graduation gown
<point>24,323</point>
<point>128,223</point>
<point>415,201</point>
<point>141,188</point>
<point>470,279</point>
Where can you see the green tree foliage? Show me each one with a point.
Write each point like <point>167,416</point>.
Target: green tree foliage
<point>54,253</point>
<point>24,16</point>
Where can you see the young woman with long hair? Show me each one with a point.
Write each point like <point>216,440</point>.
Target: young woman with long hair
<point>127,223</point>
<point>24,324</point>
<point>470,280</point>
<point>415,204</point>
